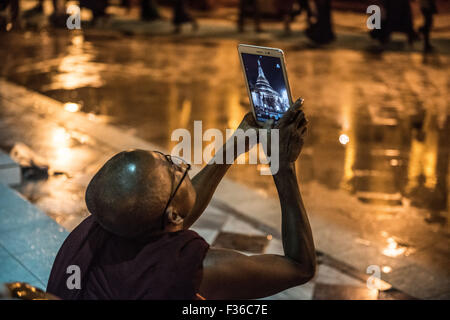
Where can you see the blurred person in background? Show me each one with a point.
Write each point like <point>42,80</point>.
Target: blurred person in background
<point>321,29</point>
<point>98,8</point>
<point>400,18</point>
<point>39,8</point>
<point>249,8</point>
<point>428,9</point>
<point>181,16</point>
<point>59,16</point>
<point>149,10</point>
<point>126,4</point>
<point>397,17</point>
<point>289,9</point>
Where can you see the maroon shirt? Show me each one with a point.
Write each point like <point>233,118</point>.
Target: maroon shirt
<point>165,267</point>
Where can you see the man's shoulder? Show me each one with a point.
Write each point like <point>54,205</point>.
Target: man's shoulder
<point>84,226</point>
<point>192,236</point>
<point>81,232</point>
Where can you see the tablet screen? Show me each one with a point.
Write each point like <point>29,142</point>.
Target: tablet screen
<point>268,89</point>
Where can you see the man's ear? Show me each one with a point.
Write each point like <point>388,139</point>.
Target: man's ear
<point>174,217</point>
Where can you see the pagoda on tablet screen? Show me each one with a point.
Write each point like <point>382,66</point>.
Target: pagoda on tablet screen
<point>265,98</point>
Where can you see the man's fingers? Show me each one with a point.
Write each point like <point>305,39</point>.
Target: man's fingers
<point>287,118</point>
<point>291,114</point>
<point>300,117</point>
<point>301,120</point>
<point>299,103</point>
<point>304,130</point>
<point>249,118</point>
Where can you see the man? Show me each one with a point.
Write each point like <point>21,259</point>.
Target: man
<point>137,243</point>
<point>321,31</point>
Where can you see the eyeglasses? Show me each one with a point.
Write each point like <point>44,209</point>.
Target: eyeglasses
<point>183,165</point>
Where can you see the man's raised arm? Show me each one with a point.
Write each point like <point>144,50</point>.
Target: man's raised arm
<point>206,181</point>
<point>228,274</point>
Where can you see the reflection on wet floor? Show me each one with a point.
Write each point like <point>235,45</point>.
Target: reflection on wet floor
<point>379,125</point>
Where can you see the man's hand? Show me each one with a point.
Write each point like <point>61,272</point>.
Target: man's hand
<point>293,127</point>
<point>248,122</point>
<point>292,130</point>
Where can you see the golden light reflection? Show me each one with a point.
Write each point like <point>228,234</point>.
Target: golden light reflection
<point>76,69</point>
<point>185,113</point>
<point>349,137</point>
<point>423,155</point>
<point>393,249</point>
<point>234,110</point>
<point>172,106</point>
<point>63,156</point>
<point>344,139</point>
<point>394,162</point>
<point>82,138</point>
<point>349,161</point>
<point>78,40</point>
<point>386,269</point>
<point>60,138</point>
<point>71,107</point>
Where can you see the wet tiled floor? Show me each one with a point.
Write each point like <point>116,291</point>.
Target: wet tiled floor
<point>29,240</point>
<point>329,283</point>
<point>60,196</point>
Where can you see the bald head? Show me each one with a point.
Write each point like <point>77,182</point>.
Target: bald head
<point>128,194</point>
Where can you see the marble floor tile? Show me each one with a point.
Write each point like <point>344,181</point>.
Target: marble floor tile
<point>211,219</point>
<point>12,270</point>
<point>324,291</point>
<point>303,292</point>
<point>208,234</point>
<point>274,246</point>
<point>331,276</point>
<point>238,226</point>
<point>241,242</point>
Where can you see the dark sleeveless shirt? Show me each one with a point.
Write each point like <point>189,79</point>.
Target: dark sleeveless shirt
<point>165,267</point>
